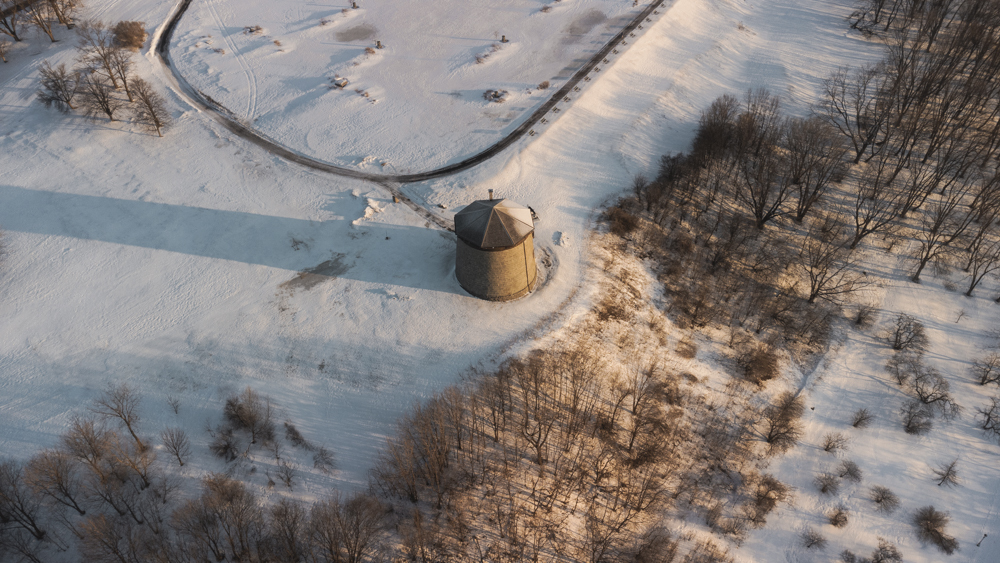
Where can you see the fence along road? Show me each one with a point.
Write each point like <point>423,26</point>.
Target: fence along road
<point>238,127</point>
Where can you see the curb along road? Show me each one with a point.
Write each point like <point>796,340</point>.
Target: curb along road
<point>238,127</point>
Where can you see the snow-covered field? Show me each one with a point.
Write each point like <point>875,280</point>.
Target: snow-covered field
<point>415,104</point>
<point>174,263</point>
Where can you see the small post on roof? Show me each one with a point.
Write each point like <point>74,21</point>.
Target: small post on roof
<point>491,195</point>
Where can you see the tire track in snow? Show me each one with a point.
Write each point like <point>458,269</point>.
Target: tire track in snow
<point>250,76</point>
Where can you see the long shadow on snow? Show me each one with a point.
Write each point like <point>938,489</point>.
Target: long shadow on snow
<point>408,256</point>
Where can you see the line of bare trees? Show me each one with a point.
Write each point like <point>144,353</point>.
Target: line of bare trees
<point>17,15</point>
<point>103,72</point>
<point>922,125</point>
<point>102,491</point>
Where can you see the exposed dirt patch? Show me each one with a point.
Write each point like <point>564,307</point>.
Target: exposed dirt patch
<point>311,277</point>
<point>357,33</point>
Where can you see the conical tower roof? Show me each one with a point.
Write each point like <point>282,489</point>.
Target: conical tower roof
<point>496,223</point>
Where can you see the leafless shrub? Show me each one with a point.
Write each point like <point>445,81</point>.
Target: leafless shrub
<point>760,363</point>
<point>838,518</point>
<point>324,461</point>
<point>296,438</point>
<point>834,442</point>
<point>812,538</point>
<point>4,46</point>
<point>862,418</point>
<point>687,349</point>
<point>253,413</point>
<point>369,50</point>
<point>253,30</point>
<point>917,418</point>
<point>286,473</point>
<point>546,9</point>
<point>224,443</point>
<point>707,551</point>
<point>58,86</point>
<point>865,316</point>
<point>850,471</point>
<point>621,222</point>
<point>176,443</point>
<point>827,483</point>
<point>129,35</point>
<point>780,424</point>
<point>906,333</point>
<point>930,525</point>
<point>886,500</point>
<point>987,369</point>
<point>656,545</point>
<point>543,85</point>
<point>766,493</point>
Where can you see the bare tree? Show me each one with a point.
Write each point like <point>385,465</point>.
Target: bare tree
<point>177,444</point>
<point>853,104</point>
<point>89,442</point>
<point>11,17</point>
<point>99,97</point>
<point>288,527</point>
<point>834,442</point>
<point>18,504</point>
<point>946,220</point>
<point>40,15</point>
<point>64,10</point>
<point>121,66</point>
<point>984,259</point>
<point>253,413</point>
<point>58,86</point>
<point>829,265</point>
<point>987,369</point>
<point>781,428</point>
<point>930,525</point>
<point>54,474</point>
<point>812,538</point>
<point>886,500</point>
<point>917,418</point>
<point>97,49</point>
<point>934,390</point>
<point>762,186</point>
<point>850,471</point>
<point>861,419</point>
<point>989,418</point>
<point>947,473</point>
<point>815,161</point>
<point>114,539</point>
<point>121,401</point>
<point>346,529</point>
<point>907,333</point>
<point>876,201</point>
<point>4,45</point>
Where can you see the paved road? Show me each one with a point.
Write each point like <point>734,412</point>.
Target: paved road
<point>390,181</point>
